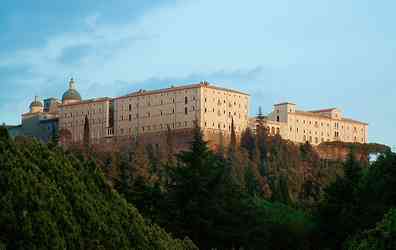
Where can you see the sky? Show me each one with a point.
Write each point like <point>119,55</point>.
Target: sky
<point>315,53</point>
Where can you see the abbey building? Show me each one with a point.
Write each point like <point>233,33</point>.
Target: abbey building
<point>315,126</point>
<point>152,113</point>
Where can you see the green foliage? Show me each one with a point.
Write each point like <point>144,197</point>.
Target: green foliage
<point>53,200</point>
<point>357,201</point>
<point>382,237</point>
<point>4,133</point>
<point>281,220</point>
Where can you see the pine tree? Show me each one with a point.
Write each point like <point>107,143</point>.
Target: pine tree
<point>194,179</point>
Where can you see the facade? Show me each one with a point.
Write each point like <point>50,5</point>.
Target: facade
<point>150,114</point>
<point>40,122</point>
<point>72,119</point>
<point>315,127</point>
<point>178,108</point>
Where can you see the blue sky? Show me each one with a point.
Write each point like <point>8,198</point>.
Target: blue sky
<point>318,54</point>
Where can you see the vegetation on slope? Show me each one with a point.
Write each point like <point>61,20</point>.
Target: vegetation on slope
<point>53,200</point>
<point>258,193</point>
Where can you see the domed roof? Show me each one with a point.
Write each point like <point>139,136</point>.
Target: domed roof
<point>36,103</point>
<point>71,93</point>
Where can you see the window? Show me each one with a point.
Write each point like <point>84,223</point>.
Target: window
<point>130,117</point>
<point>130,107</point>
<point>277,118</point>
<point>185,111</point>
<point>185,100</point>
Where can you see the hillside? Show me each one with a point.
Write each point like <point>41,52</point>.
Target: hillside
<point>52,200</point>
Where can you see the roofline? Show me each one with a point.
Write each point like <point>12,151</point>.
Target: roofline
<point>323,110</point>
<point>299,112</point>
<point>87,101</point>
<point>182,87</point>
<point>283,103</point>
<point>50,120</point>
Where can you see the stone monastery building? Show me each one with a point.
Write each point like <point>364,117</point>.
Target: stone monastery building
<point>152,113</point>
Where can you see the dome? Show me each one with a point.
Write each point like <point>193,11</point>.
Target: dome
<point>71,94</point>
<point>36,103</point>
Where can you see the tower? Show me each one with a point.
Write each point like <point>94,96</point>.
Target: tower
<point>36,106</point>
<point>71,95</point>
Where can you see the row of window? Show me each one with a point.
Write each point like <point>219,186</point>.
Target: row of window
<point>336,125</point>
<point>221,126</point>
<point>160,127</point>
<point>148,114</point>
<point>90,113</point>
<point>149,103</point>
<point>336,138</point>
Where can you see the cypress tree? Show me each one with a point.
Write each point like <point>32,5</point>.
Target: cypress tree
<point>87,135</point>
<point>4,135</point>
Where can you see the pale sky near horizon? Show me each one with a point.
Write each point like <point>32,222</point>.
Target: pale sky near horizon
<point>317,53</point>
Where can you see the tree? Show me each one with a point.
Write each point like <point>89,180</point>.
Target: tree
<point>170,146</point>
<point>262,146</point>
<point>381,237</point>
<point>4,133</point>
<point>341,201</point>
<point>236,165</point>
<point>248,142</point>
<point>50,199</point>
<point>190,199</point>
<point>87,135</point>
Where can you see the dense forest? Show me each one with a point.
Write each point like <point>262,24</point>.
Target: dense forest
<point>258,192</point>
